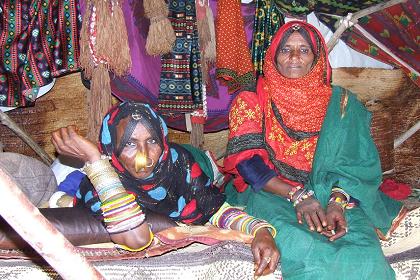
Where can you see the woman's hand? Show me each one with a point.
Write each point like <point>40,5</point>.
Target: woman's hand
<point>336,223</point>
<point>314,215</point>
<point>68,142</point>
<point>266,254</point>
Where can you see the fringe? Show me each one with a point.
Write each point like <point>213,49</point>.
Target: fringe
<point>119,47</point>
<point>99,100</point>
<point>161,36</point>
<point>103,48</point>
<point>85,58</point>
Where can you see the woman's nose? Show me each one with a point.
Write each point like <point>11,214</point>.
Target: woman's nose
<point>143,149</point>
<point>295,54</point>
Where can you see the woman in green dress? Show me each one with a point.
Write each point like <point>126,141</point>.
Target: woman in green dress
<point>304,160</point>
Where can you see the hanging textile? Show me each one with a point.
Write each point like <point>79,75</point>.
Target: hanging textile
<point>267,22</point>
<point>233,62</point>
<point>397,29</point>
<point>180,88</point>
<point>38,42</point>
<point>142,83</point>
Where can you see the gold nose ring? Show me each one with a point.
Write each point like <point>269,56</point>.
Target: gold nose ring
<point>142,162</point>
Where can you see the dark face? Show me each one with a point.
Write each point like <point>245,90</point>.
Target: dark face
<point>140,141</point>
<point>295,58</point>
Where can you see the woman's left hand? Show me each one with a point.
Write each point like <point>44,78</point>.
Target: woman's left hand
<point>266,254</point>
<point>336,222</point>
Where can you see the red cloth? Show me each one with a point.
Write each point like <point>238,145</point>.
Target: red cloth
<point>395,190</point>
<point>233,61</point>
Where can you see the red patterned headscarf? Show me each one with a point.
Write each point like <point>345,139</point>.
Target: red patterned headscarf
<point>302,102</point>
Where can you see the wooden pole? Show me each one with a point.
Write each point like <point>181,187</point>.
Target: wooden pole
<point>5,120</point>
<point>32,226</point>
<point>406,135</point>
<point>352,19</point>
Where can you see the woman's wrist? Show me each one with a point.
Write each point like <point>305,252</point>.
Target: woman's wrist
<point>338,201</point>
<point>278,187</point>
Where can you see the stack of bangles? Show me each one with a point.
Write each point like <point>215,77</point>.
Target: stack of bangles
<point>343,203</point>
<point>120,210</point>
<point>229,217</point>
<point>298,194</point>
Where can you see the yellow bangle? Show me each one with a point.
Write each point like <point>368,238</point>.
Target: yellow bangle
<point>151,236</point>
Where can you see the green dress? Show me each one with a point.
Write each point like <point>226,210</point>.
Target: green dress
<point>347,157</point>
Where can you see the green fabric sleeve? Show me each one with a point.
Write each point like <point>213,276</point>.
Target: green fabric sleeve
<point>346,156</point>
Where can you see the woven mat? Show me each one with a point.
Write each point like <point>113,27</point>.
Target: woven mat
<point>225,260</point>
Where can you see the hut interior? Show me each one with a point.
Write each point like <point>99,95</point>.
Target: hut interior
<point>390,93</point>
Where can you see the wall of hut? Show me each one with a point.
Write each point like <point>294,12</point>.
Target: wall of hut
<point>391,97</point>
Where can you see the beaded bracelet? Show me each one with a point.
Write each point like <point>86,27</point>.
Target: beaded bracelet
<point>293,191</point>
<point>340,190</point>
<point>340,202</point>
<point>304,194</point>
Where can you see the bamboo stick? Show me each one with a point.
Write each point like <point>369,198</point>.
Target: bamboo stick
<point>5,120</point>
<point>32,226</point>
<point>406,135</point>
<point>352,19</point>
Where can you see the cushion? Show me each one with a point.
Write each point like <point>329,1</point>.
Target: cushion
<point>35,178</point>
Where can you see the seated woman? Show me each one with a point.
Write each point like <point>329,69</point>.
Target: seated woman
<point>302,152</point>
<point>147,172</point>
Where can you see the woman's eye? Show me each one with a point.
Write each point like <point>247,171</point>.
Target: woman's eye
<point>152,141</point>
<point>304,50</point>
<point>285,50</point>
<point>130,144</point>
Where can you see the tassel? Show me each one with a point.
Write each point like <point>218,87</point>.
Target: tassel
<point>210,51</point>
<point>119,49</point>
<point>111,36</point>
<point>99,100</point>
<point>85,58</point>
<point>161,36</point>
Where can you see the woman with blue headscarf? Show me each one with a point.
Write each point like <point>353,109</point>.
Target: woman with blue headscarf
<point>135,168</point>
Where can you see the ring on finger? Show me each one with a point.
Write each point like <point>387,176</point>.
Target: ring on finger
<point>267,259</point>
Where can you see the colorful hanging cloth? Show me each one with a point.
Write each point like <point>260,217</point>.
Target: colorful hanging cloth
<point>142,83</point>
<point>397,29</point>
<point>267,22</point>
<point>180,89</point>
<point>233,62</point>
<point>38,42</point>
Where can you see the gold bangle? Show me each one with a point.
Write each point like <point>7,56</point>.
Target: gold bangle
<point>151,236</point>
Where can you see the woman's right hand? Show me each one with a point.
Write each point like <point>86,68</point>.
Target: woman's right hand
<point>311,210</point>
<point>68,142</point>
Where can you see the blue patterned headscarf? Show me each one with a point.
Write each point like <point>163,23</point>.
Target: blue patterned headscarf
<point>177,187</point>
